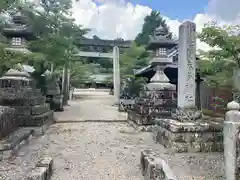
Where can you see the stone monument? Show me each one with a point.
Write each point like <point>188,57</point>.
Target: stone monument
<point>186,131</point>
<point>158,98</point>
<point>187,110</point>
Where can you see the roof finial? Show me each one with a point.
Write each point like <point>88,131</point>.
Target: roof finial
<point>160,31</point>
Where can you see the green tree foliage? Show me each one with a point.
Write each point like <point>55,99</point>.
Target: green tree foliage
<point>133,58</point>
<point>226,39</point>
<point>217,64</point>
<point>151,22</point>
<point>55,30</point>
<point>217,72</point>
<point>80,73</point>
<point>5,4</point>
<point>132,86</point>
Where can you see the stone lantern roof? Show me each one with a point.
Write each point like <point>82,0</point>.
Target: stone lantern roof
<point>19,27</point>
<point>160,39</point>
<point>17,75</point>
<point>19,18</point>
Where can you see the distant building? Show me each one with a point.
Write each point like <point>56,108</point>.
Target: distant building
<point>99,81</point>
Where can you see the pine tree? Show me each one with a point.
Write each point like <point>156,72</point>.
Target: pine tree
<point>151,22</point>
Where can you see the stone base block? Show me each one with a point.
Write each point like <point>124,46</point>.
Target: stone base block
<point>155,168</point>
<point>22,101</point>
<point>22,110</point>
<point>189,137</point>
<point>138,118</point>
<point>36,120</point>
<point>187,114</point>
<point>40,109</point>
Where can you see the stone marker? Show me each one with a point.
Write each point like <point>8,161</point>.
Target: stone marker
<point>187,110</point>
<point>187,65</point>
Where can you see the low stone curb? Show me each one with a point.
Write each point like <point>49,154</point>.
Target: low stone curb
<point>43,170</point>
<point>10,146</point>
<point>154,167</point>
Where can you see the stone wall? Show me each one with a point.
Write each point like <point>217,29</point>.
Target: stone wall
<point>8,123</point>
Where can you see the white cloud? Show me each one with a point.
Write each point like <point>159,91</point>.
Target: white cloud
<point>117,18</point>
<point>110,20</point>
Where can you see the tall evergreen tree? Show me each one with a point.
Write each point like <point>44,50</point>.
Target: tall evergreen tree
<point>151,22</point>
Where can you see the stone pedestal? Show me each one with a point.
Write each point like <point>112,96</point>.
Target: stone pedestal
<point>185,131</point>
<point>151,105</point>
<point>187,114</point>
<point>18,92</point>
<point>197,136</point>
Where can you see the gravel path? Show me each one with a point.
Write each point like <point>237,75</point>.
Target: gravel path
<point>100,150</point>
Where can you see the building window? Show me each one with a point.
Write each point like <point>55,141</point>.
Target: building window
<point>161,52</point>
<point>16,41</point>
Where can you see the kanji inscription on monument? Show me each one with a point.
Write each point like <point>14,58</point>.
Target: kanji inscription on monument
<point>187,65</point>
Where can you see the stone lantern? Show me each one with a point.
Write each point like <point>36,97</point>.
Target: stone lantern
<point>158,100</point>
<point>18,33</point>
<point>160,45</point>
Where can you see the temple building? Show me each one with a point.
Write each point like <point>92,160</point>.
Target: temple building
<point>18,33</point>
<point>99,81</point>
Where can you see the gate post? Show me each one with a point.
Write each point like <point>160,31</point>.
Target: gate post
<point>231,136</point>
<point>116,74</point>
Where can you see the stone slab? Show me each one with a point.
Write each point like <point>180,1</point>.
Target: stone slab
<point>189,141</point>
<point>198,126</point>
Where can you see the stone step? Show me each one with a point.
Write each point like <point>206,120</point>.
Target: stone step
<point>43,170</point>
<point>10,145</point>
<point>154,167</point>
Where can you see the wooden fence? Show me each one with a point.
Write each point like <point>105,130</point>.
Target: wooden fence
<point>215,99</point>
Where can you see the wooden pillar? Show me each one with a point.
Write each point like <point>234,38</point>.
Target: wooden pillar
<point>65,88</point>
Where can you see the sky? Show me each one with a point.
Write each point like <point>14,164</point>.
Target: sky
<point>110,19</point>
